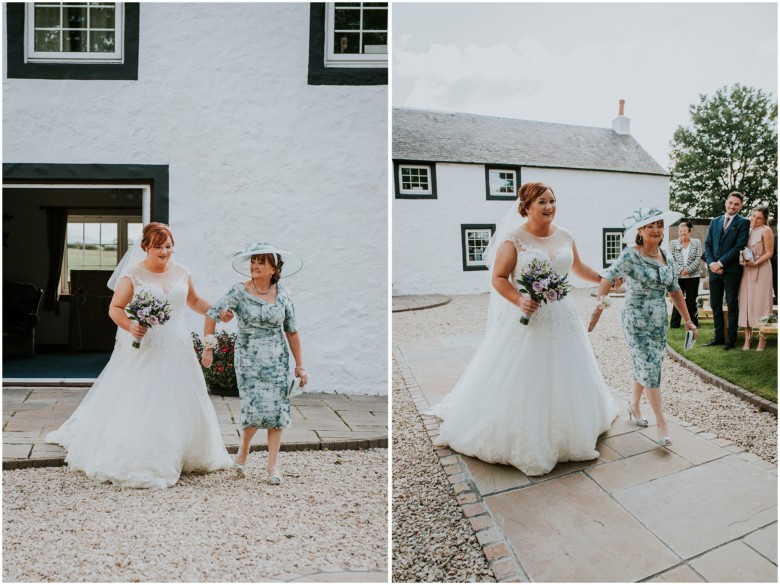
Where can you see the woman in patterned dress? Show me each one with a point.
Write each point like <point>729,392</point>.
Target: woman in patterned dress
<point>650,275</point>
<point>266,316</point>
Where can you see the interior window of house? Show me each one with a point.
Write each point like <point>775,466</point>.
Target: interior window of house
<point>613,245</point>
<point>62,32</point>
<point>96,243</point>
<point>356,34</point>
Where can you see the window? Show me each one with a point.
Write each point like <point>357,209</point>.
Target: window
<point>60,32</point>
<point>501,182</point>
<point>97,242</point>
<point>415,180</point>
<point>612,245</point>
<point>348,43</point>
<point>357,34</point>
<point>475,238</point>
<point>72,40</point>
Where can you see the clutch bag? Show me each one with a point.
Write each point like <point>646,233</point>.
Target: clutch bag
<point>690,341</point>
<point>294,388</point>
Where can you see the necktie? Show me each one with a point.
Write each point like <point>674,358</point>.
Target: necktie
<point>726,223</point>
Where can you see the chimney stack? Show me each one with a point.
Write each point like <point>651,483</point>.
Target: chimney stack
<point>621,124</point>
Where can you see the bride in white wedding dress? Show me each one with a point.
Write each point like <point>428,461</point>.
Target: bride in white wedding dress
<point>533,394</point>
<point>148,417</point>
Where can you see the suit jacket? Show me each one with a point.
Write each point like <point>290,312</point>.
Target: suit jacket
<point>694,257</point>
<point>724,247</point>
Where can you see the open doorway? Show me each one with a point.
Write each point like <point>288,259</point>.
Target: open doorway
<point>73,336</point>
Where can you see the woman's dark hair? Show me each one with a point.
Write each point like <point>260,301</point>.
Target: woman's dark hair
<point>270,259</point>
<point>528,193</point>
<point>639,240</point>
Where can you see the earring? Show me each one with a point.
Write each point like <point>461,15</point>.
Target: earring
<point>641,240</point>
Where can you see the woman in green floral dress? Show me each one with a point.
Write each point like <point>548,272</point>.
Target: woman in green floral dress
<point>650,275</point>
<point>266,316</point>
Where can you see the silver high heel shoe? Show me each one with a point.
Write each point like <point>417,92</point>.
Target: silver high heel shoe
<point>640,422</point>
<point>665,441</point>
<point>240,469</point>
<point>276,477</point>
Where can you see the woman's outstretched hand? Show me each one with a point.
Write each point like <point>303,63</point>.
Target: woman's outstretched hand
<point>207,358</point>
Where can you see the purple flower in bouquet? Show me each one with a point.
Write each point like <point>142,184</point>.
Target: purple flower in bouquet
<point>542,284</point>
<point>147,310</point>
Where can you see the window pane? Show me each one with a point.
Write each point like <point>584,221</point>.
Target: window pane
<point>102,18</point>
<point>47,16</point>
<point>74,17</point>
<point>374,20</point>
<point>74,41</point>
<point>340,4</point>
<point>347,19</point>
<point>47,40</point>
<point>133,232</point>
<point>101,41</point>
<point>345,43</point>
<point>375,43</point>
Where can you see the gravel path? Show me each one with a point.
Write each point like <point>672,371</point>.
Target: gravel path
<point>331,514</point>
<point>423,504</point>
<point>432,540</point>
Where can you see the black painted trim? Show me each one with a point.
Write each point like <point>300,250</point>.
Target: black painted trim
<point>397,180</point>
<point>464,253</point>
<point>604,232</point>
<point>511,197</point>
<point>156,175</point>
<point>18,69</point>
<point>321,75</point>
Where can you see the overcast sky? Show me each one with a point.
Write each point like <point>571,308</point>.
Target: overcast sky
<point>571,63</point>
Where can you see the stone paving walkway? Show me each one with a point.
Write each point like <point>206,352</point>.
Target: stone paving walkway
<point>320,421</point>
<point>702,511</point>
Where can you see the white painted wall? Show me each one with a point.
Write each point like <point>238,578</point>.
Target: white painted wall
<point>427,244</point>
<point>255,154</point>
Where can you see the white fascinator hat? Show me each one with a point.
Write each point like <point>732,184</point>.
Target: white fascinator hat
<point>647,215</point>
<point>242,258</point>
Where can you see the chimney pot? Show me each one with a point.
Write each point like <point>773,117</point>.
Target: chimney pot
<point>622,104</point>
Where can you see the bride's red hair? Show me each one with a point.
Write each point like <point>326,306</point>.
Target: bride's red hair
<point>528,193</point>
<point>155,234</point>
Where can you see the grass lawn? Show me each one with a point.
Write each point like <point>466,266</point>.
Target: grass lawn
<point>751,370</point>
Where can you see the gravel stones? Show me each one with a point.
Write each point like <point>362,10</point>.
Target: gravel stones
<point>330,514</point>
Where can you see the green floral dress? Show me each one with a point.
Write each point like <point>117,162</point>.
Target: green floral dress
<point>262,358</point>
<point>644,314</point>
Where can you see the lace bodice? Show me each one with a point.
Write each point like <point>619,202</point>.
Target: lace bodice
<point>172,286</point>
<point>556,249</point>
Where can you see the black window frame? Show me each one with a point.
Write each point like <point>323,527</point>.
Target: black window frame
<point>604,232</point>
<point>321,75</point>
<point>397,164</point>
<point>19,69</point>
<point>463,242</point>
<point>492,167</point>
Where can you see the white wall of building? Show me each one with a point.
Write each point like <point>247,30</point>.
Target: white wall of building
<point>255,153</point>
<point>427,255</point>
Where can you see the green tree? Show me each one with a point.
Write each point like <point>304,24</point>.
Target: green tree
<point>730,145</point>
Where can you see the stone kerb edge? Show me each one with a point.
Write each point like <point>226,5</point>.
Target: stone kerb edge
<point>503,562</point>
<point>755,400</point>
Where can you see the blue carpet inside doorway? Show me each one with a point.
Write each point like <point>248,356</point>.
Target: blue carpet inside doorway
<point>56,365</point>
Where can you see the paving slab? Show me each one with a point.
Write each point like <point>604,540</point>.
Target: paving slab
<point>31,413</point>
<point>735,562</point>
<point>681,574</point>
<point>764,541</point>
<point>706,506</point>
<point>636,470</point>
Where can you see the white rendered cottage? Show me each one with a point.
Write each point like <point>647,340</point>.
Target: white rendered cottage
<point>232,122</point>
<point>456,174</point>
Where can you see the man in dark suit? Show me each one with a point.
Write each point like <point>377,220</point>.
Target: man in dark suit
<point>726,237</point>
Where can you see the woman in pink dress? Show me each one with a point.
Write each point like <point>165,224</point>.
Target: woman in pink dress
<point>755,289</point>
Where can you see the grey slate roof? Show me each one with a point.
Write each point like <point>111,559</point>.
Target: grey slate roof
<point>425,135</point>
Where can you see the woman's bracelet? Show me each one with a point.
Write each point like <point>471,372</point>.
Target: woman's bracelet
<point>602,303</point>
<point>209,341</point>
<point>691,322</point>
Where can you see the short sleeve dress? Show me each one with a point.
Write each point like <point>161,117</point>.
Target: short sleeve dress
<point>644,314</point>
<point>262,357</point>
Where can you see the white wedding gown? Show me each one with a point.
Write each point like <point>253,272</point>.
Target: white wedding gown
<point>148,417</point>
<point>533,394</point>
